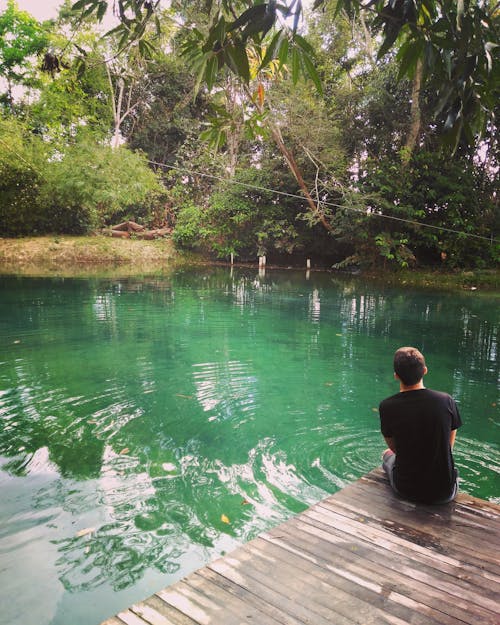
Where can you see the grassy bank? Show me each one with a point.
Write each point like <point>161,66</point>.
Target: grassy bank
<point>85,255</point>
<point>102,256</point>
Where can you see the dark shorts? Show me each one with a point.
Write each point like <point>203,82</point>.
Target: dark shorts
<point>388,461</point>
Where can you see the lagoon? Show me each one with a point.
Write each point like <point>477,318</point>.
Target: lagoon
<point>149,425</point>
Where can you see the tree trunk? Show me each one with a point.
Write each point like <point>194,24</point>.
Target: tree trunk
<point>292,163</point>
<point>415,115</point>
<point>294,168</point>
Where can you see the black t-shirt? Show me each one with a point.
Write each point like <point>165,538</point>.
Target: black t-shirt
<point>420,423</point>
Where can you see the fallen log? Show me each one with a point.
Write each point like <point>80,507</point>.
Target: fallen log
<point>128,226</point>
<point>120,234</point>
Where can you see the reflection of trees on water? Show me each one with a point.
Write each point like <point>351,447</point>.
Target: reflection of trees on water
<point>155,392</point>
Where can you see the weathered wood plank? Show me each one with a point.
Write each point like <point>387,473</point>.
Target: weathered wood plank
<point>367,603</point>
<point>293,596</point>
<point>394,547</point>
<point>251,598</point>
<point>441,537</point>
<point>129,618</point>
<point>464,509</point>
<point>405,566</point>
<point>363,571</point>
<point>361,556</point>
<point>172,614</point>
<point>288,600</point>
<point>156,612</point>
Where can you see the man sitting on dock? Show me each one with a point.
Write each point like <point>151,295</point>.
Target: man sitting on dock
<point>420,426</point>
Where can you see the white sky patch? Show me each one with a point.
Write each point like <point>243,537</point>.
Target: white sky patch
<point>41,9</point>
<point>48,9</point>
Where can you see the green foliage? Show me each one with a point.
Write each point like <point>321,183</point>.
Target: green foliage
<point>70,105</point>
<point>73,192</point>
<point>94,185</point>
<point>452,197</point>
<point>394,249</point>
<point>239,220</point>
<point>21,38</point>
<point>22,161</point>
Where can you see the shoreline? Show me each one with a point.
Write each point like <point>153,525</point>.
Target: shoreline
<point>102,256</point>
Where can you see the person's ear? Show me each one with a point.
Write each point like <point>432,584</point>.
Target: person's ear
<point>396,376</point>
<point>425,370</point>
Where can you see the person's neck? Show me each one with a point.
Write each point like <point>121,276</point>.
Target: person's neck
<point>414,387</point>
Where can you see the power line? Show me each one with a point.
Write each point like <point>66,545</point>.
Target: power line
<point>330,204</point>
<point>491,240</point>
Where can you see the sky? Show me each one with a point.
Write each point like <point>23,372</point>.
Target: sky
<point>41,9</point>
<point>45,9</point>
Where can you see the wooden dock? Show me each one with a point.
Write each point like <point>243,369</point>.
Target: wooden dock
<point>359,556</point>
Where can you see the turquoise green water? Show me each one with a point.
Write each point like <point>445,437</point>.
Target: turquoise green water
<point>148,426</point>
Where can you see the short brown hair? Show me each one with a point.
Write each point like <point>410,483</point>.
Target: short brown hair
<point>409,365</point>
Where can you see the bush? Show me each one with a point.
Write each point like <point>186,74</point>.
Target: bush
<point>245,220</point>
<point>22,158</point>
<point>93,185</point>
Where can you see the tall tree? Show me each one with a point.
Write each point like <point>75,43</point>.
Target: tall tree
<point>455,43</point>
<point>22,37</point>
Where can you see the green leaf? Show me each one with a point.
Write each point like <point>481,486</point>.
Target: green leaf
<point>238,61</point>
<point>101,11</point>
<point>303,44</point>
<point>283,52</point>
<point>271,49</point>
<point>81,3</point>
<point>312,73</point>
<point>202,64</point>
<point>295,65</point>
<point>211,72</point>
<point>391,34</point>
<point>80,50</point>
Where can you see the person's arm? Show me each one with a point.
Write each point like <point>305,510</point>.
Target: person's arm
<point>453,435</point>
<point>391,443</point>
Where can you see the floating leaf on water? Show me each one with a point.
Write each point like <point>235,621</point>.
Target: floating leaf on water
<point>184,396</point>
<point>17,342</point>
<point>84,532</point>
<point>245,502</point>
<point>375,409</point>
<point>225,519</point>
<point>338,335</point>
<point>328,383</point>
<point>124,451</point>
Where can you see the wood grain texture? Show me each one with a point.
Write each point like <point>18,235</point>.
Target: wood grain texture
<point>361,556</point>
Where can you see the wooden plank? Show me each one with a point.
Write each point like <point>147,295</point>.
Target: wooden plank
<point>467,503</point>
<point>414,569</point>
<point>405,523</point>
<point>421,613</point>
<point>156,612</point>
<point>224,579</point>
<point>396,546</point>
<point>287,598</point>
<point>442,522</point>
<point>348,562</point>
<point>452,516</point>
<point>454,512</point>
<point>365,602</point>
<point>129,618</point>
<point>361,556</point>
<point>208,603</point>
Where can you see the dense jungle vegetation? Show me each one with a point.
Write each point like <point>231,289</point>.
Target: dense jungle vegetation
<point>358,134</point>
